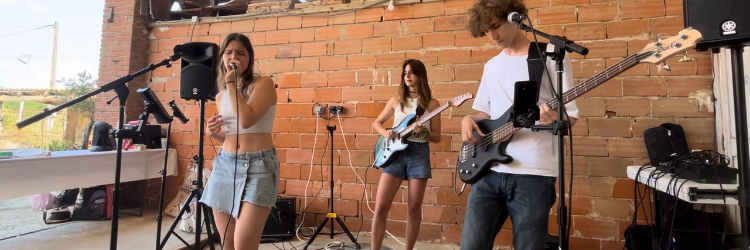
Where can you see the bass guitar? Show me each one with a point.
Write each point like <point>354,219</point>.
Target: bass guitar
<point>474,160</point>
<point>385,148</point>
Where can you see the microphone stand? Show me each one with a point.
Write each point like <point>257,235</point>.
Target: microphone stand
<point>122,91</point>
<point>560,126</point>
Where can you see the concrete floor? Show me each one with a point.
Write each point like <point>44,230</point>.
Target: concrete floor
<point>21,229</point>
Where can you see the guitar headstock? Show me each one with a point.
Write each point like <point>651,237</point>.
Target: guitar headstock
<point>458,100</point>
<point>663,49</point>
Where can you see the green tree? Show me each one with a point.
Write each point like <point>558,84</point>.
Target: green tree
<point>75,88</point>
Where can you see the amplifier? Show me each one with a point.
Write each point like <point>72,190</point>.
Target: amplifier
<point>280,222</point>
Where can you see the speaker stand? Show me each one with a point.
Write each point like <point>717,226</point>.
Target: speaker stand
<point>740,125</point>
<point>331,215</point>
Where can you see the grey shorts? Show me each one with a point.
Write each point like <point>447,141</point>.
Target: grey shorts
<point>411,163</point>
<point>256,180</point>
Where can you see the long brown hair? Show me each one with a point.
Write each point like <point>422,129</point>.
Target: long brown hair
<point>247,76</point>
<point>422,87</point>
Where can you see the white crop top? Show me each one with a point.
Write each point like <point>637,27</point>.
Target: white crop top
<point>411,108</point>
<point>264,125</point>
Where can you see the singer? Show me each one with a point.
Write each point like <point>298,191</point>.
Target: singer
<point>525,188</point>
<point>245,179</point>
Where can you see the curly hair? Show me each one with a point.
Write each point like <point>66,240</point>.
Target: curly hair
<point>483,10</point>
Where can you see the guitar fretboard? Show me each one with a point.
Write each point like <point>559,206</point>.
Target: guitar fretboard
<point>424,119</point>
<point>506,130</point>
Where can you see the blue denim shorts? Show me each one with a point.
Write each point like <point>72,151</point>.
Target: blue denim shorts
<point>256,180</point>
<point>411,163</point>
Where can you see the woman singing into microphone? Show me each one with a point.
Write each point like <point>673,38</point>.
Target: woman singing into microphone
<point>245,179</point>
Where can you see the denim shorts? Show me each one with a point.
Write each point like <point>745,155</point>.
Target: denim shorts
<point>256,180</point>
<point>411,163</point>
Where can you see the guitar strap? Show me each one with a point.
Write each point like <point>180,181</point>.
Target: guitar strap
<point>536,64</point>
<point>420,110</point>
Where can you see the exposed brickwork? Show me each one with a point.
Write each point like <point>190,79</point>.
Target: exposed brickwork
<point>353,60</point>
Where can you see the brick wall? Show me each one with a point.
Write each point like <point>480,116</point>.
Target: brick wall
<point>353,60</point>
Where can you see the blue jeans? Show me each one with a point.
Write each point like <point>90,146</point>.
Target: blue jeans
<point>527,199</point>
<point>411,163</point>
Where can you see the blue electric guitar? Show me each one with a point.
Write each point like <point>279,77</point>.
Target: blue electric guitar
<point>385,148</point>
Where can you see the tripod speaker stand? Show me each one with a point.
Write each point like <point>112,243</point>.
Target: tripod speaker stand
<point>331,215</point>
<point>198,66</point>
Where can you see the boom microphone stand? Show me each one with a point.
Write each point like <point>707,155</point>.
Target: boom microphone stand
<point>560,126</point>
<point>122,92</point>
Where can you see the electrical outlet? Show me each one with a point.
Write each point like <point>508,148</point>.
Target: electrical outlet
<point>339,109</point>
<point>332,109</point>
<point>320,110</point>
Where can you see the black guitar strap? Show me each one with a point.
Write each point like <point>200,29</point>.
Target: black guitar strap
<point>420,110</point>
<point>536,64</point>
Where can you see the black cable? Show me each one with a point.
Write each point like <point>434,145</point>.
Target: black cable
<point>236,152</point>
<point>27,31</point>
<point>570,128</point>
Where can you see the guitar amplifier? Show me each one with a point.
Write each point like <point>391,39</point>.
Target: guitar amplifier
<point>280,222</point>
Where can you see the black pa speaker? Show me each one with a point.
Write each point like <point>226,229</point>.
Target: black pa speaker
<point>721,22</point>
<point>280,222</point>
<point>198,70</point>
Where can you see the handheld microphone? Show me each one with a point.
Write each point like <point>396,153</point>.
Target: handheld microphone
<point>515,17</point>
<point>234,66</point>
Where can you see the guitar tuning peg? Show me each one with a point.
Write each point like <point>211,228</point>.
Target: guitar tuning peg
<point>666,66</point>
<point>686,58</point>
<point>658,40</point>
<point>682,34</point>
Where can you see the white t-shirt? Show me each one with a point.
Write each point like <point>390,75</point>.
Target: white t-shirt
<point>533,153</point>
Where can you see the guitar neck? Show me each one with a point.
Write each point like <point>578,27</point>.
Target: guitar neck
<point>596,80</point>
<point>506,130</point>
<point>423,120</point>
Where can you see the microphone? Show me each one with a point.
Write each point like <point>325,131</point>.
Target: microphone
<point>514,17</point>
<point>234,66</point>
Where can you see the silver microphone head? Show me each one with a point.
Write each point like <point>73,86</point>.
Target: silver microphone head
<point>511,15</point>
<point>233,65</point>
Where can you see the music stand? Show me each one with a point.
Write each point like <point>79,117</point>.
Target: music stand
<point>122,91</point>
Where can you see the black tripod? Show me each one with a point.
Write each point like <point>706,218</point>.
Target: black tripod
<point>122,92</point>
<point>331,215</point>
<point>200,208</point>
<point>560,126</point>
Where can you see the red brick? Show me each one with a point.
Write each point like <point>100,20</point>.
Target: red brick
<point>439,214</point>
<point>289,80</point>
<point>341,19</point>
<point>627,28</point>
<point>328,94</point>
<point>302,35</point>
<point>462,6</point>
<point>347,78</point>
<point>284,65</point>
<point>376,45</point>
<point>289,50</point>
<point>464,39</point>
<point>244,26</point>
<point>277,37</point>
<point>587,68</point>
<point>347,47</point>
<point>429,58</point>
<point>609,127</point>
<point>606,49</point>
<point>445,196</point>
<point>484,55</point>
<point>333,63</point>
<point>257,38</point>
<point>399,12</point>
<point>674,7</point>
<point>314,49</point>
<point>674,107</point>
<point>568,2</point>
<point>357,94</point>
<point>383,29</point>
<point>369,109</point>
<point>687,86</point>
<point>454,56</point>
<point>417,26</point>
<point>585,31</point>
<point>306,64</point>
<point>469,73</point>
<point>369,15</point>
<point>667,27</point>
<point>635,70</point>
<point>314,80</point>
<point>383,93</point>
<point>360,62</point>
<point>290,22</point>
<point>609,88</point>
<point>389,60</point>
<point>584,243</point>
<point>265,24</point>
<point>314,21</point>
<point>597,12</point>
<point>644,87</point>
<point>328,33</point>
<point>441,73</point>
<point>628,107</point>
<point>301,95</point>
<point>627,148</point>
<point>429,9</point>
<point>358,31</point>
<point>561,14</point>
<point>441,39</point>
<point>595,228</point>
<point>447,23</point>
<point>403,43</point>
<point>641,9</point>
<point>590,146</point>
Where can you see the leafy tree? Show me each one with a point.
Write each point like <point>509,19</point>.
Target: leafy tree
<point>75,88</point>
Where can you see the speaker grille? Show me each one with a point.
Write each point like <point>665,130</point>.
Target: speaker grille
<point>721,22</point>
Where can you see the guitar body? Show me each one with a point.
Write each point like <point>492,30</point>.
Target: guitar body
<point>385,149</point>
<point>474,160</point>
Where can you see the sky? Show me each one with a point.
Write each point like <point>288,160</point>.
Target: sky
<point>26,58</point>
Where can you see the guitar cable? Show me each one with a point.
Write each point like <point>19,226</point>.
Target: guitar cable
<point>570,129</point>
